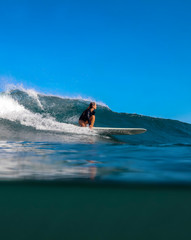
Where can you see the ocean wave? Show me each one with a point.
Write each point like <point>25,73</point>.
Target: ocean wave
<point>12,111</point>
<point>29,109</point>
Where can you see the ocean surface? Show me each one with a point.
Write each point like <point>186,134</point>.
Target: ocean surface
<point>60,181</point>
<point>40,140</point>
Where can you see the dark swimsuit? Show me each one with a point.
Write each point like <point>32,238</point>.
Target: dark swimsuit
<point>86,115</point>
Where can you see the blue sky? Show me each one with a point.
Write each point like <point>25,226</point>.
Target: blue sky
<point>135,56</point>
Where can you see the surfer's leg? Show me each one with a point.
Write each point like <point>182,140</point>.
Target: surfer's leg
<point>92,119</point>
<point>82,123</point>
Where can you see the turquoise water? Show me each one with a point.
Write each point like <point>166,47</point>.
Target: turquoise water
<point>40,141</point>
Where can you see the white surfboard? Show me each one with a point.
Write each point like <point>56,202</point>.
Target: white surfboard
<point>119,131</point>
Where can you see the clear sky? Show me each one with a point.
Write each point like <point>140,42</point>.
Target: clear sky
<point>135,56</point>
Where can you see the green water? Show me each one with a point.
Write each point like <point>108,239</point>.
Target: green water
<point>42,210</point>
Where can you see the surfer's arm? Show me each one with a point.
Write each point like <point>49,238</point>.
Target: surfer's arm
<point>89,116</point>
<point>92,121</point>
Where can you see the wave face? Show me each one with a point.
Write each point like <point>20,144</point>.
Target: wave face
<point>28,115</point>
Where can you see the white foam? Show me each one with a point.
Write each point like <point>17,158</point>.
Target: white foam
<point>31,92</point>
<point>11,110</point>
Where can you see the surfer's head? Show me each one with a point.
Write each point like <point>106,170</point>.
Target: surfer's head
<point>93,105</point>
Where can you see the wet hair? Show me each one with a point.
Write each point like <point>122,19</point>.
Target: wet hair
<point>92,104</point>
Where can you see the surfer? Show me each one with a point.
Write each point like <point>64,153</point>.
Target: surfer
<point>88,116</point>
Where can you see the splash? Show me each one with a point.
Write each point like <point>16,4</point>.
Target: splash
<point>11,110</point>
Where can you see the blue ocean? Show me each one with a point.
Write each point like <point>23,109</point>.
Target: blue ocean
<point>40,140</point>
<point>60,181</point>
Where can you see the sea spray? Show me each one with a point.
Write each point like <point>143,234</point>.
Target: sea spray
<point>11,110</point>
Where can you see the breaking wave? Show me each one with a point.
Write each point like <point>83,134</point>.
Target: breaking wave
<point>27,112</point>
